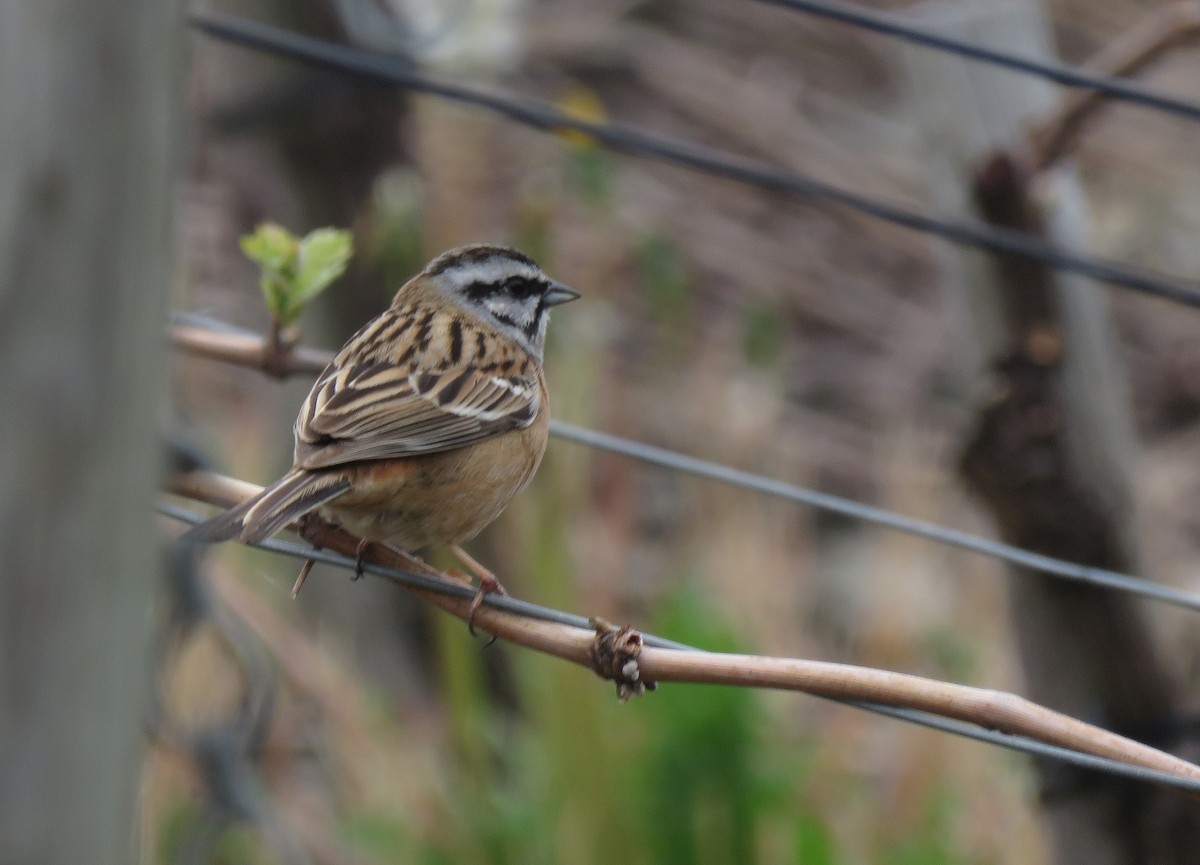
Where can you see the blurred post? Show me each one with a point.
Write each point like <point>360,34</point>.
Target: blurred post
<point>89,108</point>
<point>1050,454</point>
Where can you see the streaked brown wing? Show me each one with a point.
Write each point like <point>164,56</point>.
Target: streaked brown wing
<point>381,411</point>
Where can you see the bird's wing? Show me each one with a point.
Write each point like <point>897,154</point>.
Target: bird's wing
<point>380,410</point>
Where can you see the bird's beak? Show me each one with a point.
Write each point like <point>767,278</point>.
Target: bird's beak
<point>559,293</point>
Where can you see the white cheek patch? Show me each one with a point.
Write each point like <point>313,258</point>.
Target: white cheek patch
<point>508,309</point>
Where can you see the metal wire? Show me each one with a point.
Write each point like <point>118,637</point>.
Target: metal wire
<point>676,461</point>
<point>387,70</point>
<point>1032,747</point>
<point>876,516</point>
<point>1060,73</point>
<point>510,604</point>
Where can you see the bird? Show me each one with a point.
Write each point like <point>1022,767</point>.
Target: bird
<point>428,421</point>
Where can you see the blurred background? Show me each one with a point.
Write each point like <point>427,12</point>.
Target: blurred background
<point>782,336</point>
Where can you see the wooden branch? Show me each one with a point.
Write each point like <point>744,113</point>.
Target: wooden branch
<point>990,709</point>
<point>1156,35</point>
<point>986,708</point>
<point>249,351</point>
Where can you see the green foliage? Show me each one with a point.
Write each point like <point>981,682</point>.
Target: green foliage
<point>177,821</point>
<point>593,173</point>
<point>762,335</point>
<point>688,775</point>
<point>242,845</point>
<point>706,796</point>
<point>532,233</point>
<point>379,836</point>
<point>591,169</point>
<point>294,271</point>
<point>932,841</point>
<point>955,657</point>
<point>563,773</point>
<point>814,843</point>
<point>189,832</point>
<point>675,777</point>
<point>664,281</point>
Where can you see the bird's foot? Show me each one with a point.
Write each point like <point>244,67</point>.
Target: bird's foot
<point>363,546</point>
<point>488,585</point>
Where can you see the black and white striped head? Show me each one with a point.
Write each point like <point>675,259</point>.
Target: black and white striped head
<point>503,287</point>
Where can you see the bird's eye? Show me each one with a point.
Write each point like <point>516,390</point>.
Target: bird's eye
<point>522,288</point>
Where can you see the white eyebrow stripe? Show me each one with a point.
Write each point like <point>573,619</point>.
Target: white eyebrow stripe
<point>492,270</point>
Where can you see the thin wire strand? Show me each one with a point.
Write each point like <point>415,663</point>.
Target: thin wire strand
<point>628,139</point>
<point>510,604</point>
<point>1060,73</point>
<point>876,516</point>
<point>669,459</point>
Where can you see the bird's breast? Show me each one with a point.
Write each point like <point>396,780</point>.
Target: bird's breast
<point>444,498</point>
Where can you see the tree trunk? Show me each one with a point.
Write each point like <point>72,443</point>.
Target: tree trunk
<point>1049,455</point>
<point>88,124</point>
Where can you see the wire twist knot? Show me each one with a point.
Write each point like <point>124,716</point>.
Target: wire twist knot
<point>614,656</point>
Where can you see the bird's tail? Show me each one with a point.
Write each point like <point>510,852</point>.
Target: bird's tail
<point>294,495</point>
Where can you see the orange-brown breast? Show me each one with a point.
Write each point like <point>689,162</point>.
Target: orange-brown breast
<point>443,498</point>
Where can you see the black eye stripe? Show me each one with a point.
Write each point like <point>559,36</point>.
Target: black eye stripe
<point>516,287</point>
<point>523,288</point>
